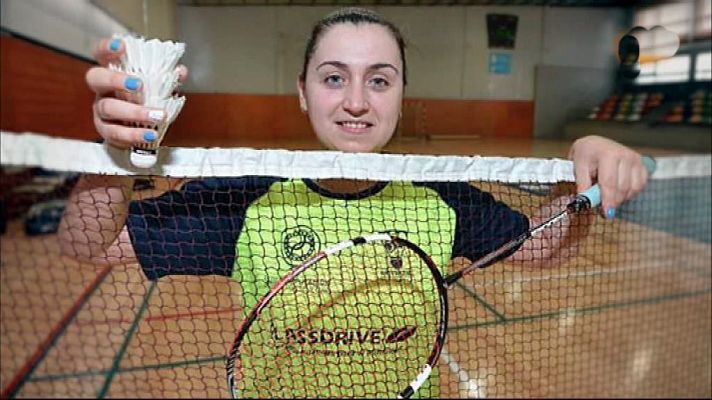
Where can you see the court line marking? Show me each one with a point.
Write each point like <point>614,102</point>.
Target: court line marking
<point>584,310</point>
<point>25,372</point>
<point>162,317</point>
<point>652,300</point>
<point>125,345</point>
<point>591,273</point>
<point>190,314</point>
<point>472,388</point>
<point>470,291</point>
<point>140,368</point>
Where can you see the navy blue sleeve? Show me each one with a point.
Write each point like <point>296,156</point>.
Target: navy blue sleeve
<point>483,223</point>
<point>193,231</point>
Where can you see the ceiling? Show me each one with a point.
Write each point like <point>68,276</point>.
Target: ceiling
<point>553,3</point>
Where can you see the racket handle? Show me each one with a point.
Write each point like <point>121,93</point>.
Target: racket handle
<point>591,197</point>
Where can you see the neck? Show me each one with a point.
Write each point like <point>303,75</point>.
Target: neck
<point>345,185</point>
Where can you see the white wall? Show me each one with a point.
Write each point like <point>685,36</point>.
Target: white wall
<point>519,85</point>
<point>578,63</point>
<point>71,25</point>
<point>150,18</point>
<point>581,37</point>
<point>435,48</point>
<point>230,49</point>
<point>260,49</point>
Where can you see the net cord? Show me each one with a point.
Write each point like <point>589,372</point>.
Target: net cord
<point>36,150</point>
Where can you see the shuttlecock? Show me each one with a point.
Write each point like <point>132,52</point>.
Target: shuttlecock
<point>154,62</point>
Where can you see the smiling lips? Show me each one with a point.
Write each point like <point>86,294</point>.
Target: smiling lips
<point>355,126</point>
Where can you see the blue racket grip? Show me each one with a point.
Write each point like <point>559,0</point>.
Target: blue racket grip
<point>591,197</point>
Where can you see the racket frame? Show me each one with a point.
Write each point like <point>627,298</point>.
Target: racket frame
<point>440,285</point>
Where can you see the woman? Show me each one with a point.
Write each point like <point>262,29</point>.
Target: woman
<point>351,87</point>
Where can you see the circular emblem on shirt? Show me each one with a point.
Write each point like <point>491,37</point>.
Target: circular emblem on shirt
<point>299,243</point>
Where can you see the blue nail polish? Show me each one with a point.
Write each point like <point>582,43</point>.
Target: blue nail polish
<point>149,136</point>
<point>611,213</point>
<point>132,83</point>
<point>115,45</point>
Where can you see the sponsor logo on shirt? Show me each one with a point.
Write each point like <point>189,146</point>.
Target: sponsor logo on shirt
<point>348,341</point>
<point>299,243</point>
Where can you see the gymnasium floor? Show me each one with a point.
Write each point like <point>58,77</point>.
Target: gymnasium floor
<point>632,321</point>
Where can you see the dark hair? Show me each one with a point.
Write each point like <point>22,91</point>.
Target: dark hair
<point>355,16</point>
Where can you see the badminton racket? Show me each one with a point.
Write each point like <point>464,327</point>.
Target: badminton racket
<point>364,318</point>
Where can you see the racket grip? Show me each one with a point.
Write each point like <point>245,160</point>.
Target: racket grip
<point>591,197</point>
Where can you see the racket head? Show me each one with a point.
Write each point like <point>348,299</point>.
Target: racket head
<point>364,318</point>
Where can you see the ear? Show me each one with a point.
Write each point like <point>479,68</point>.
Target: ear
<point>302,95</point>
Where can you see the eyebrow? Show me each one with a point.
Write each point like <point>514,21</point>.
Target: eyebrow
<point>341,65</point>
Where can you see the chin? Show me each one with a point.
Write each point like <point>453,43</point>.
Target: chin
<point>362,144</point>
<point>358,147</point>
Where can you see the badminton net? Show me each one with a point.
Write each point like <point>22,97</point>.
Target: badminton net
<point>620,309</point>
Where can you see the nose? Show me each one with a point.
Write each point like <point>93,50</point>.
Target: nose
<point>355,101</point>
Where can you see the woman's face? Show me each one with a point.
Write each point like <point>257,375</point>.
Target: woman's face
<point>353,87</point>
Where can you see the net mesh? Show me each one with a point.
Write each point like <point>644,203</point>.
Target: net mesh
<point>621,310</point>
<point>356,323</point>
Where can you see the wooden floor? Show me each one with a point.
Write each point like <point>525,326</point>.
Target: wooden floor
<point>629,316</point>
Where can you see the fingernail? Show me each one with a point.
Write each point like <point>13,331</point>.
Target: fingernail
<point>611,213</point>
<point>132,83</point>
<point>149,136</point>
<point>156,115</point>
<point>115,45</point>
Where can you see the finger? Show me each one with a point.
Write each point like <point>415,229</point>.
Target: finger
<point>109,50</point>
<point>624,173</point>
<point>123,136</point>
<point>608,181</point>
<point>182,73</point>
<point>119,110</point>
<point>636,184</point>
<point>583,174</point>
<point>104,81</point>
<point>638,180</point>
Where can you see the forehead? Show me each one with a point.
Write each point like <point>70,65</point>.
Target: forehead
<point>364,43</point>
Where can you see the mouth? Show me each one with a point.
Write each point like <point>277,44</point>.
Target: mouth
<point>354,126</point>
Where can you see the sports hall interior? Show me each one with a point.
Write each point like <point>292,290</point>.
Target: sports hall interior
<point>71,329</point>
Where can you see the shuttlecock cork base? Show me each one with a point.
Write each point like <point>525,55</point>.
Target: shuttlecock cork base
<point>155,63</point>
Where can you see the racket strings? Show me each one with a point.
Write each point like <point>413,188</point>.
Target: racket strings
<point>365,332</point>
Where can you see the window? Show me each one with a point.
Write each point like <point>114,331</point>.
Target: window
<point>703,67</point>
<point>691,21</point>
<point>703,19</point>
<point>675,69</point>
<point>675,17</point>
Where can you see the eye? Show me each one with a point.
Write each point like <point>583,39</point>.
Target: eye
<point>379,82</point>
<point>334,80</point>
